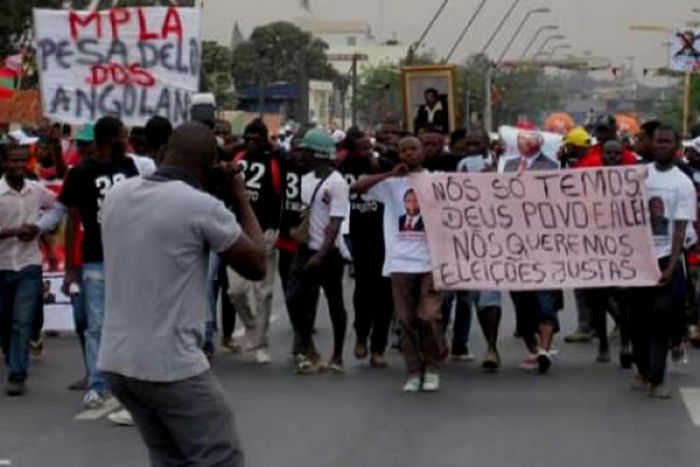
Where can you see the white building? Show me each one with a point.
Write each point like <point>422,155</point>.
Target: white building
<point>346,39</point>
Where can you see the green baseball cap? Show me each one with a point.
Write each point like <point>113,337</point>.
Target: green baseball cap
<point>320,142</point>
<point>86,133</point>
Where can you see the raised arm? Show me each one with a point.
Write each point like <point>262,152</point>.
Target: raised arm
<point>247,255</point>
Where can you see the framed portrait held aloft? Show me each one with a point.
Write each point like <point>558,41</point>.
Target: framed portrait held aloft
<point>430,96</point>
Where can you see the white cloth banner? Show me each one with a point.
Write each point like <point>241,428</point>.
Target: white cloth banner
<point>133,63</point>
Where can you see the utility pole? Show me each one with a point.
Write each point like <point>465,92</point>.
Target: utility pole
<point>261,95</point>
<point>488,104</point>
<point>467,117</point>
<point>353,110</point>
<point>343,95</point>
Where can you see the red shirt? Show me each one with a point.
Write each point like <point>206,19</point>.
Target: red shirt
<point>594,158</point>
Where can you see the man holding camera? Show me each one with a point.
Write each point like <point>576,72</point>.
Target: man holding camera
<point>152,338</point>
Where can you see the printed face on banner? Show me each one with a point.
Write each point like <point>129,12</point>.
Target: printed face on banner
<point>541,230</point>
<point>133,63</point>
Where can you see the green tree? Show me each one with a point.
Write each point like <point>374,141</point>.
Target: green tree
<point>379,94</point>
<point>280,51</point>
<point>379,91</point>
<point>216,73</point>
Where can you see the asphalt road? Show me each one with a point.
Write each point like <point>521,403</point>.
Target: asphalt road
<point>581,414</point>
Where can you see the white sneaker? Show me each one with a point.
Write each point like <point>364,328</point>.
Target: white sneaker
<point>262,356</point>
<point>93,400</point>
<point>121,417</point>
<point>412,384</point>
<point>432,382</point>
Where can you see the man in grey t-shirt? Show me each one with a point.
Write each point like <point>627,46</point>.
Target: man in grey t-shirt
<point>157,233</point>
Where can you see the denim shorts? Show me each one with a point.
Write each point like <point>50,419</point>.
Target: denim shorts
<point>481,298</point>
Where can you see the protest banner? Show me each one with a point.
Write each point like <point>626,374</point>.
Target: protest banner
<point>538,230</point>
<point>129,62</point>
<point>24,107</point>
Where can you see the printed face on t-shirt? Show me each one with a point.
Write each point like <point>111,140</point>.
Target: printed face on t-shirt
<point>411,203</point>
<point>659,222</point>
<point>411,221</point>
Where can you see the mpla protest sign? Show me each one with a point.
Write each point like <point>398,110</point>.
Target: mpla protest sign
<point>538,230</point>
<point>130,62</point>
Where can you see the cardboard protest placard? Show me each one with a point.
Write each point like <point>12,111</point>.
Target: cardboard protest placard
<point>133,63</point>
<point>23,107</point>
<point>538,230</point>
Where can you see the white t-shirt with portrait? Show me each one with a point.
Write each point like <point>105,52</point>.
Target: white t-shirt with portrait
<point>404,228</point>
<point>332,200</point>
<point>671,197</point>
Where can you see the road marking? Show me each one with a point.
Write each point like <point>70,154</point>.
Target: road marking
<point>691,397</point>
<point>110,405</point>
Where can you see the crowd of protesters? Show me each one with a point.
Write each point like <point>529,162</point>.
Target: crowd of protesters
<point>166,230</point>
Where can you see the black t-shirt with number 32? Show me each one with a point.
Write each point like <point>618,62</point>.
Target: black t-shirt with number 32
<point>263,180</point>
<point>85,189</point>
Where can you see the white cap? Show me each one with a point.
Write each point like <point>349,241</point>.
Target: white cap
<point>338,136</point>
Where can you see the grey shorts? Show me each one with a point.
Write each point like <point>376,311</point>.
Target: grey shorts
<point>481,298</point>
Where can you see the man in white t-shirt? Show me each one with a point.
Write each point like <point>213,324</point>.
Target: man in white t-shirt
<point>672,206</point>
<point>407,262</point>
<point>319,261</point>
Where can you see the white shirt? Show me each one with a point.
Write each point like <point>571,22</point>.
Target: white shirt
<point>332,200</point>
<point>671,197</point>
<point>17,209</point>
<point>433,111</point>
<point>145,165</point>
<point>406,247</point>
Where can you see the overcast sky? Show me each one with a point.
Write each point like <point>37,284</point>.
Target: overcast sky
<point>599,26</point>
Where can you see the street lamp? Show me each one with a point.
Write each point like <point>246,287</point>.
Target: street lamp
<point>550,27</point>
<point>520,29</point>
<point>557,48</point>
<point>650,28</point>
<point>414,47</point>
<point>500,26</point>
<point>465,30</point>
<point>554,50</point>
<point>556,37</point>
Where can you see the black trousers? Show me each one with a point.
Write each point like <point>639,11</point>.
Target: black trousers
<point>600,302</point>
<point>302,293</point>
<point>653,317</point>
<point>373,302</point>
<point>285,265</point>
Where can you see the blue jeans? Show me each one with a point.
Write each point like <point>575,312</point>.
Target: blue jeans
<point>94,296</point>
<point>20,293</point>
